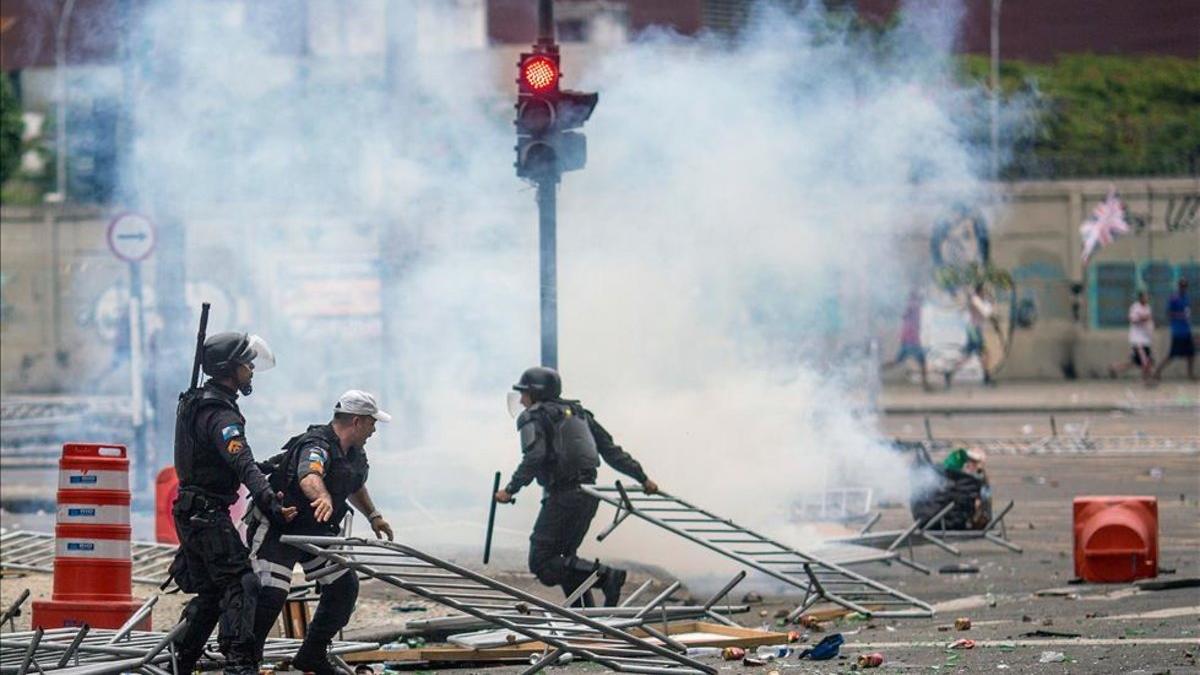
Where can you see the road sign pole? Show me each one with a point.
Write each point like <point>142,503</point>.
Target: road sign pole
<point>137,375</point>
<point>131,237</point>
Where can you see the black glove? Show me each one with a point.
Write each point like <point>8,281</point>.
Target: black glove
<point>271,506</point>
<point>275,514</point>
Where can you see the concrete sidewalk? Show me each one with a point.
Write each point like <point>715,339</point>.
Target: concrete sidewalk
<point>1091,396</point>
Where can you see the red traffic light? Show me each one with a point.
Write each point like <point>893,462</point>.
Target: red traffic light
<point>539,73</point>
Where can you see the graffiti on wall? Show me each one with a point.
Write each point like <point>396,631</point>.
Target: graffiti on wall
<point>1182,214</point>
<point>967,313</point>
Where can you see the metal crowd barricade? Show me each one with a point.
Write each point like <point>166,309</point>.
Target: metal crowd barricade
<point>818,578</point>
<point>94,651</point>
<point>34,552</point>
<point>605,641</point>
<point>932,531</point>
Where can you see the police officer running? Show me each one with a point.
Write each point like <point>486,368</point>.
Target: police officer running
<point>561,444</point>
<point>211,458</point>
<point>319,471</point>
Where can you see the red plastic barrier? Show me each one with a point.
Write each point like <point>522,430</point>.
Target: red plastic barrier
<point>1116,538</point>
<point>92,565</point>
<point>166,491</point>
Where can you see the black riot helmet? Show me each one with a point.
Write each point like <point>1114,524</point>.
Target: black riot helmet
<point>224,352</point>
<point>543,384</point>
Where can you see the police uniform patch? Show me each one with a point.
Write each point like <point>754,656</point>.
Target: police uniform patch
<point>235,446</point>
<point>316,460</point>
<point>232,431</point>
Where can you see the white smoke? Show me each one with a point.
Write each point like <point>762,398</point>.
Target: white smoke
<point>722,258</point>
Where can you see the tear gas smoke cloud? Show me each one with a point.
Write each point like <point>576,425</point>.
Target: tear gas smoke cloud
<point>734,232</point>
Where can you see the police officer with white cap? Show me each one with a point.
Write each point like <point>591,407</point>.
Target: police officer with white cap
<point>321,472</point>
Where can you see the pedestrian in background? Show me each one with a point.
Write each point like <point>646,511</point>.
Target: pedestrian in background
<point>1183,345</point>
<point>910,338</point>
<point>980,312</point>
<point>1141,336</point>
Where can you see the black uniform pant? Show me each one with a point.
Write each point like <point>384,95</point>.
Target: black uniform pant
<point>217,569</point>
<point>273,562</point>
<point>560,528</point>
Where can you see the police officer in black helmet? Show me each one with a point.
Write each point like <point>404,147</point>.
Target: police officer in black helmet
<point>212,458</point>
<point>561,444</point>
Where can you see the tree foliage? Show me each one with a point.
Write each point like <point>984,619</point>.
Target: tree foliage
<point>1103,115</point>
<point>11,128</point>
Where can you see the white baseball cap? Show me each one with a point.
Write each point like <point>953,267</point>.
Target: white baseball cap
<point>359,402</point>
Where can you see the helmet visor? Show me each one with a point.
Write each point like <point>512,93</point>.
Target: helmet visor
<point>514,404</point>
<point>262,358</point>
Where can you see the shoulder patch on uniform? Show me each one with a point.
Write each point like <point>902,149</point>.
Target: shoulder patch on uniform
<point>232,431</point>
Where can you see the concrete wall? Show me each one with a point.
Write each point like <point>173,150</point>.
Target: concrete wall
<point>1034,233</point>
<point>54,276</point>
<point>60,282</point>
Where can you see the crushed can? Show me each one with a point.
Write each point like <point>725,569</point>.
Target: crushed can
<point>870,660</point>
<point>733,653</point>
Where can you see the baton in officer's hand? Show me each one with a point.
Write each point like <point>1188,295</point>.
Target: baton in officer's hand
<point>487,543</point>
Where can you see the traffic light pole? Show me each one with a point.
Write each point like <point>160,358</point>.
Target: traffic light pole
<point>547,200</point>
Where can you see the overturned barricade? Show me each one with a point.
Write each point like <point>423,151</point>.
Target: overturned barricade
<point>933,531</point>
<point>657,609</point>
<point>604,640</point>
<point>955,505</point>
<point>818,578</point>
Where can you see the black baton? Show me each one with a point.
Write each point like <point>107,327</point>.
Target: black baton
<point>487,543</point>
<point>198,357</point>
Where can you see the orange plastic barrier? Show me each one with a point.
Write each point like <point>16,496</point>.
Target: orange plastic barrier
<point>166,491</point>
<point>1116,538</point>
<point>92,565</point>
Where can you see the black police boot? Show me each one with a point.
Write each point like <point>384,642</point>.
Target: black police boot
<point>313,658</point>
<point>585,600</point>
<point>611,581</point>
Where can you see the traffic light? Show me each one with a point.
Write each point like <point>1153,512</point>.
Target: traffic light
<point>545,114</point>
<point>537,88</point>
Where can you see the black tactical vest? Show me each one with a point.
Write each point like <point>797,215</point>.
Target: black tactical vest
<point>198,463</point>
<point>344,475</point>
<point>573,458</point>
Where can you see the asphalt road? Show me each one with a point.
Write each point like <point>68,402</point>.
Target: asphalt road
<point>1121,629</point>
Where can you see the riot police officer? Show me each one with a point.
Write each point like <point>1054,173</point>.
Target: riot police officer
<point>319,471</point>
<point>211,458</point>
<point>561,444</point>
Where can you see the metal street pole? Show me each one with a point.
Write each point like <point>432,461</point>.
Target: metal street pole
<point>547,187</point>
<point>548,263</point>
<point>60,82</point>
<point>995,86</point>
<point>137,373</point>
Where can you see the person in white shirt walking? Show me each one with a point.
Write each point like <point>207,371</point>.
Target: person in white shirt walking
<point>1141,336</point>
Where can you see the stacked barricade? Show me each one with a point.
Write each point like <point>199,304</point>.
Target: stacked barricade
<point>92,564</point>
